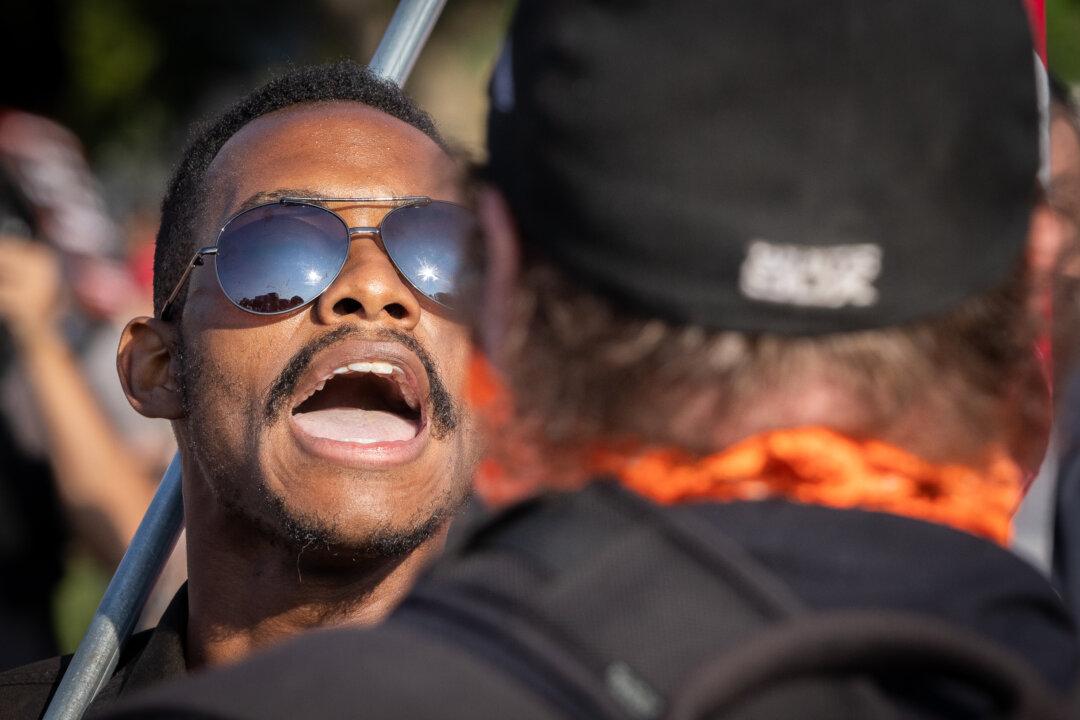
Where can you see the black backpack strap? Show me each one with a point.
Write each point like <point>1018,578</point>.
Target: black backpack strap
<point>559,534</point>
<point>854,642</point>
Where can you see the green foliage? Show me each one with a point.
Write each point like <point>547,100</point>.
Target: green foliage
<point>76,599</point>
<point>1063,38</point>
<point>112,52</point>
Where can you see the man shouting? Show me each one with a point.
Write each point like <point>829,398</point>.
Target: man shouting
<point>305,348</point>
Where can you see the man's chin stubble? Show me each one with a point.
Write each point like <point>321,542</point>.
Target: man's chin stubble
<point>319,541</point>
<point>312,539</point>
<point>316,541</point>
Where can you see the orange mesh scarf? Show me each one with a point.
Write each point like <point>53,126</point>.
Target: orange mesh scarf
<point>811,465</point>
<point>818,466</point>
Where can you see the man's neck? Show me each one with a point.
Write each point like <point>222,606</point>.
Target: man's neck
<point>247,592</point>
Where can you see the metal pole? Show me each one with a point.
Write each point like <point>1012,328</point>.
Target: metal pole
<point>98,652</point>
<point>115,617</point>
<point>404,39</point>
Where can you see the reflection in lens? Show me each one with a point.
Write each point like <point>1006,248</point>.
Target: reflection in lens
<point>427,244</point>
<point>270,303</point>
<point>276,258</point>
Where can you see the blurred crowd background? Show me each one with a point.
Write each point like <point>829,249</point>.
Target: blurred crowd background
<point>97,100</point>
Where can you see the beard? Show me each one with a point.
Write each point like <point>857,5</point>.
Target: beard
<point>279,523</point>
<point>302,533</point>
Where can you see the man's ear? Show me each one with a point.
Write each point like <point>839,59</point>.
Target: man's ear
<point>144,363</point>
<point>502,262</point>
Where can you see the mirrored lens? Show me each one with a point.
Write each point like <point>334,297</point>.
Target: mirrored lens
<point>427,244</point>
<point>275,258</point>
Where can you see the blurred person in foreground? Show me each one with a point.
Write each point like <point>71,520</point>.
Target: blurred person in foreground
<point>66,473</point>
<point>778,295</point>
<point>313,382</point>
<point>1064,200</point>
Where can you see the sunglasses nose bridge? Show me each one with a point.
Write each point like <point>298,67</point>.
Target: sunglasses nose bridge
<point>355,232</point>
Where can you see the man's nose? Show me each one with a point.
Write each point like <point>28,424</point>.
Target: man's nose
<point>369,287</point>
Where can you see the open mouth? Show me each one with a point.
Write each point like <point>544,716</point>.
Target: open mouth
<point>364,403</point>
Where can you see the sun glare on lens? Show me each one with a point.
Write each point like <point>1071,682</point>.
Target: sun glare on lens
<point>314,277</point>
<point>428,273</point>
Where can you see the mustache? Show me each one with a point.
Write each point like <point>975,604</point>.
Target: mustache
<point>444,411</point>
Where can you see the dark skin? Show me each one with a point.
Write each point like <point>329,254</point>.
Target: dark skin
<point>252,581</point>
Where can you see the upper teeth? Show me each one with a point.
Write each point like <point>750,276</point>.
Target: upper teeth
<point>379,368</point>
<point>375,367</point>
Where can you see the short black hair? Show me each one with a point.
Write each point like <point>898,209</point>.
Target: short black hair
<point>181,208</point>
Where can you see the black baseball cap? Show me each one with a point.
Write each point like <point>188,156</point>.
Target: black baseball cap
<point>789,166</point>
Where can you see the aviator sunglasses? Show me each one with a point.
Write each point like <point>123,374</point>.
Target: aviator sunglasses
<point>277,257</point>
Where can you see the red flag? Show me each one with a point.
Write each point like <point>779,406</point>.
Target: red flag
<point>1037,14</point>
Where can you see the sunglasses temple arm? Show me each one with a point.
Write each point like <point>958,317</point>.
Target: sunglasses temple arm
<point>196,260</point>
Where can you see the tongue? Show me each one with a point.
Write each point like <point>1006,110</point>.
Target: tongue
<point>356,425</point>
